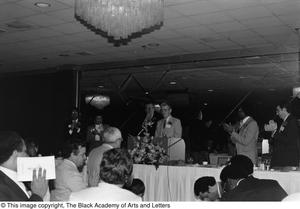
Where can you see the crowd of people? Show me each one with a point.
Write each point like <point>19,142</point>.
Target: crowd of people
<point>238,184</point>
<point>105,176</point>
<point>96,168</point>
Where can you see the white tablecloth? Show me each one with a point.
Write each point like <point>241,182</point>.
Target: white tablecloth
<point>176,183</point>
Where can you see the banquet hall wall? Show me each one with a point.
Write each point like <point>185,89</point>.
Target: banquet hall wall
<point>37,106</point>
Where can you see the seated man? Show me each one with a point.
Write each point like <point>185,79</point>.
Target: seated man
<point>13,146</point>
<point>207,189</point>
<point>68,176</point>
<point>115,171</point>
<point>242,186</point>
<point>112,138</point>
<point>137,187</point>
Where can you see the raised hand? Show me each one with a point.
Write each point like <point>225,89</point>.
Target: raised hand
<point>272,126</point>
<point>39,184</point>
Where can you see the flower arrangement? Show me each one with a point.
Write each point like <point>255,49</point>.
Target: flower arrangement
<point>145,152</point>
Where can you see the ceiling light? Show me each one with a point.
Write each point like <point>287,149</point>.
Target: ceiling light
<point>146,92</point>
<point>84,53</point>
<point>120,18</point>
<point>100,86</point>
<point>205,104</point>
<point>152,45</point>
<point>42,5</point>
<point>172,83</point>
<point>296,91</point>
<point>64,55</point>
<point>242,77</point>
<point>98,101</point>
<point>210,90</point>
<point>2,30</point>
<point>253,57</point>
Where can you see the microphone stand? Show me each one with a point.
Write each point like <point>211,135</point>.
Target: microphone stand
<point>171,145</point>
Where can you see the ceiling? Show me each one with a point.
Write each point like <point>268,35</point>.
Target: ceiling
<point>208,47</point>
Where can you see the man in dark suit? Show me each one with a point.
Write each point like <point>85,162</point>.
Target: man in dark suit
<point>242,186</point>
<point>12,146</point>
<point>286,140</point>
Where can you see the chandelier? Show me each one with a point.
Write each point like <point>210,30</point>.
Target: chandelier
<point>120,18</point>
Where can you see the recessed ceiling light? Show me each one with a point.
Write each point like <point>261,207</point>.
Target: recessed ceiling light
<point>42,4</point>
<point>100,86</point>
<point>172,83</point>
<point>205,104</point>
<point>153,44</point>
<point>64,55</point>
<point>210,90</point>
<point>2,30</point>
<point>150,45</point>
<point>84,53</point>
<point>146,92</point>
<point>242,77</point>
<point>253,57</point>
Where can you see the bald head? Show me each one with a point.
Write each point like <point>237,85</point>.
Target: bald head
<point>112,135</point>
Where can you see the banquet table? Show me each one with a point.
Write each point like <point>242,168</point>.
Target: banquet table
<point>176,183</point>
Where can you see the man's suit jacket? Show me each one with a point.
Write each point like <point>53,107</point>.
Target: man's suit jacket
<point>246,139</point>
<point>104,192</point>
<point>175,129</point>
<point>68,179</point>
<point>10,191</point>
<point>93,164</point>
<point>253,189</point>
<point>286,143</point>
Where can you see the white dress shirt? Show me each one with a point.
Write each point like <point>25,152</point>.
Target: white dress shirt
<point>104,192</point>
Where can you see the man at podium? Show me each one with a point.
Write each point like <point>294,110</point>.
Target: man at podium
<point>170,130</point>
<point>169,126</point>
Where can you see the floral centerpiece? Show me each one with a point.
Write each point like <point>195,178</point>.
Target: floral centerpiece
<point>146,152</point>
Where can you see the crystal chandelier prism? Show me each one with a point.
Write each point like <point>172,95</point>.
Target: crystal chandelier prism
<point>120,18</point>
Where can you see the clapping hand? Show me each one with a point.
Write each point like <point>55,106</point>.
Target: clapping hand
<point>39,184</point>
<point>228,128</point>
<point>272,126</point>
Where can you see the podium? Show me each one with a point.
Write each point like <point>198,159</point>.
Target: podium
<point>176,149</point>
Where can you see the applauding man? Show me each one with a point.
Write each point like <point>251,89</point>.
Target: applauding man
<point>286,139</point>
<point>245,138</point>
